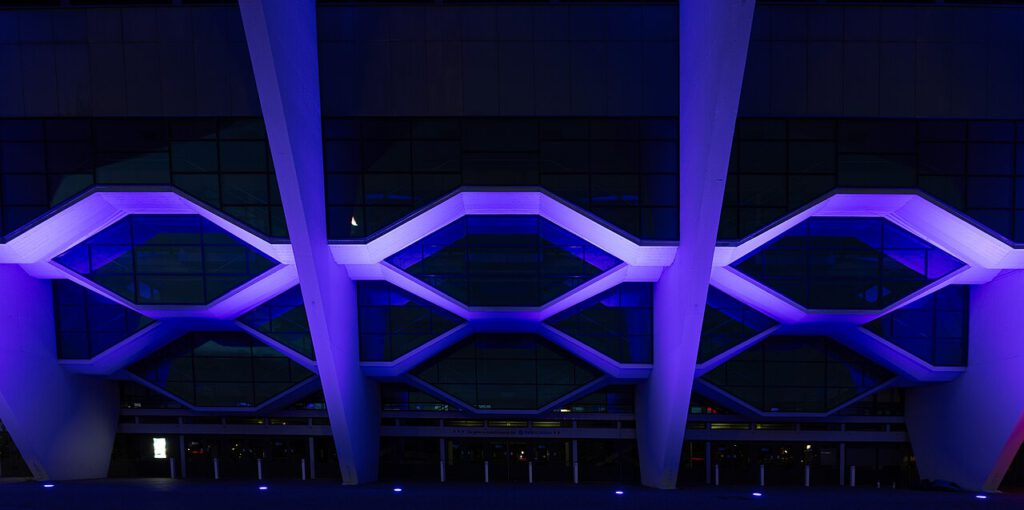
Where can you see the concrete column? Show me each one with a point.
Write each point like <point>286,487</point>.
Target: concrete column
<point>713,39</point>
<point>968,430</point>
<point>62,423</point>
<point>283,48</point>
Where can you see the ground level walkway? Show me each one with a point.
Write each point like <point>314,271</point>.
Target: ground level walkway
<point>165,494</point>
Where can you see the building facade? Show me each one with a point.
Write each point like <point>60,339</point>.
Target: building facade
<point>655,242</point>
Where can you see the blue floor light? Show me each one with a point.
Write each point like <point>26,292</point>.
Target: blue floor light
<point>263,487</point>
<point>619,492</point>
<point>981,496</point>
<point>757,494</point>
<point>397,489</point>
<point>48,485</point>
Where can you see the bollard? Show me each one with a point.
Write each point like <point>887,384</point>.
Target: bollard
<point>312,458</point>
<point>853,476</point>
<point>259,468</point>
<point>216,468</point>
<point>303,464</point>
<point>487,472</point>
<point>716,475</point>
<point>762,475</point>
<point>172,467</point>
<point>576,472</point>
<point>442,471</point>
<point>807,475</point>
<point>529,467</point>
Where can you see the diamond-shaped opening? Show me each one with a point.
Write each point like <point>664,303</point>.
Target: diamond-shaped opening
<point>506,371</point>
<point>933,328</point>
<point>727,323</point>
<point>283,319</point>
<point>88,323</point>
<point>797,374</point>
<point>847,263</point>
<point>393,322</point>
<point>166,259</point>
<point>503,260</point>
<point>617,322</point>
<point>221,369</point>
<point>402,397</point>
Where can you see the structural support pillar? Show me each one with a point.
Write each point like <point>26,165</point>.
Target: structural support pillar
<point>283,48</point>
<point>62,423</point>
<point>968,430</point>
<point>713,39</point>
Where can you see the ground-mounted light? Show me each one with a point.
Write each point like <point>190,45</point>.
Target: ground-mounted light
<point>619,492</point>
<point>396,490</point>
<point>263,488</point>
<point>981,496</point>
<point>48,485</point>
<point>757,494</point>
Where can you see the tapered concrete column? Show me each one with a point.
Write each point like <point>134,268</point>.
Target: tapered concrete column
<point>968,430</point>
<point>713,39</point>
<point>63,424</point>
<point>283,48</point>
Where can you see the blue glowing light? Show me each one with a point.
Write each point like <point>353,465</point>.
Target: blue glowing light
<point>263,487</point>
<point>397,489</point>
<point>757,494</point>
<point>619,492</point>
<point>981,496</point>
<point>48,485</point>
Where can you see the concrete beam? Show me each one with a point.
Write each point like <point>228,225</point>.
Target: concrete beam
<point>968,430</point>
<point>713,39</point>
<point>283,49</point>
<point>62,423</point>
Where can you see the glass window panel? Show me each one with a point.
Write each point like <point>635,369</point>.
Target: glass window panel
<point>564,156</point>
<point>58,164</point>
<point>934,328</point>
<point>221,369</point>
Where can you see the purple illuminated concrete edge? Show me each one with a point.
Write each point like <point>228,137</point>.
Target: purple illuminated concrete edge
<point>497,202</point>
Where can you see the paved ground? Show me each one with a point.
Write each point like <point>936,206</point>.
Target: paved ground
<point>159,494</point>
